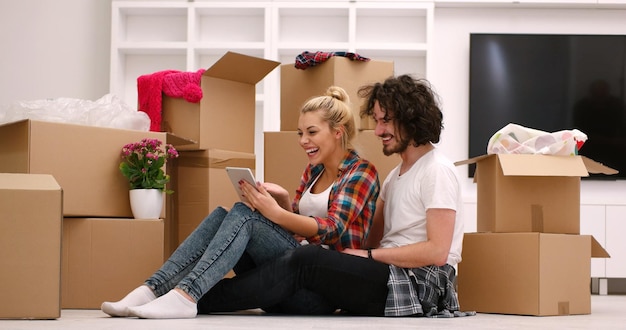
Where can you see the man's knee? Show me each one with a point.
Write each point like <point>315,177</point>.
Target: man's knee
<point>305,254</point>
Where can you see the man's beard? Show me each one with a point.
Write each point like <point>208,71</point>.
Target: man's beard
<point>397,148</point>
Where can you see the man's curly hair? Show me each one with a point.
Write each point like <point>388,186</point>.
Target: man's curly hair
<point>411,103</point>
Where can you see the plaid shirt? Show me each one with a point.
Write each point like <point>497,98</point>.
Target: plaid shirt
<point>426,291</point>
<point>308,59</point>
<point>351,203</point>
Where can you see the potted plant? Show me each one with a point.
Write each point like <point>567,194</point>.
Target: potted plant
<point>142,165</point>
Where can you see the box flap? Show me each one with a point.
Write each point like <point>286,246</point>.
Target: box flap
<point>217,158</point>
<point>23,181</point>
<point>597,251</point>
<point>176,140</point>
<point>542,165</point>
<point>241,68</point>
<point>472,160</point>
<point>595,167</point>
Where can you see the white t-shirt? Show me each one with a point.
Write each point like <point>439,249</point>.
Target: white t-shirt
<point>431,182</point>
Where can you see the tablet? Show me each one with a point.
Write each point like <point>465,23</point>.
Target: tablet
<point>237,174</point>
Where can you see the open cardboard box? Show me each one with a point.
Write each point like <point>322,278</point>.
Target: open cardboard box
<point>31,213</point>
<point>530,193</point>
<point>225,117</point>
<point>527,273</point>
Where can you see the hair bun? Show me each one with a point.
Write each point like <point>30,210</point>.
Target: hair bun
<point>338,93</point>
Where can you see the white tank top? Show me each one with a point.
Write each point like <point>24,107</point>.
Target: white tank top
<point>315,205</point>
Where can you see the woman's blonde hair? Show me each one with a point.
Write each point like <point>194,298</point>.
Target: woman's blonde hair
<point>335,104</point>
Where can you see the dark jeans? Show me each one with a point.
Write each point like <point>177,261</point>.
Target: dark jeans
<point>303,302</point>
<point>354,284</point>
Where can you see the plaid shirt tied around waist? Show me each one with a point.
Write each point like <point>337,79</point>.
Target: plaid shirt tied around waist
<point>425,291</point>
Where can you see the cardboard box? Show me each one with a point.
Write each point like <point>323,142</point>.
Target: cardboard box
<point>285,159</point>
<point>297,86</point>
<point>203,185</point>
<point>83,159</point>
<point>31,213</point>
<point>530,193</point>
<point>104,259</point>
<point>225,117</point>
<point>527,273</point>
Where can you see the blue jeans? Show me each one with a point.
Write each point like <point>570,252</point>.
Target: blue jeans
<point>216,246</point>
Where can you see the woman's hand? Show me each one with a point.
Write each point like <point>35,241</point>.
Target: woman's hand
<point>280,194</point>
<point>260,199</point>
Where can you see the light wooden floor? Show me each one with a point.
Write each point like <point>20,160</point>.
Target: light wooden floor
<point>608,312</point>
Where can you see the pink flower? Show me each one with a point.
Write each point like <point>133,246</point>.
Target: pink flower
<point>143,161</point>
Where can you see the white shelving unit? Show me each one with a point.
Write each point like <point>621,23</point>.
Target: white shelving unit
<point>606,223</point>
<point>615,243</point>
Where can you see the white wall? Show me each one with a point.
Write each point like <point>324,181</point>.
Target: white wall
<point>450,76</point>
<point>54,48</point>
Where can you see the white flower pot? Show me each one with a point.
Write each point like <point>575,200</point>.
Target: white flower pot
<point>146,203</point>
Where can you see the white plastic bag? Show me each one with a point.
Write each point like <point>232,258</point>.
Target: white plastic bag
<point>108,111</point>
<point>517,139</point>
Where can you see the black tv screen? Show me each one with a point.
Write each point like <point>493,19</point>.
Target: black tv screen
<point>551,83</point>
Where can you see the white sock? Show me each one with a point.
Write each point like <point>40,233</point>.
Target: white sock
<point>171,305</point>
<point>137,297</point>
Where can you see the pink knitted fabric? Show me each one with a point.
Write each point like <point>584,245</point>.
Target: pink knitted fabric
<point>150,89</point>
<point>184,84</point>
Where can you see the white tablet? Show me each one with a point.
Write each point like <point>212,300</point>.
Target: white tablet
<point>237,174</point>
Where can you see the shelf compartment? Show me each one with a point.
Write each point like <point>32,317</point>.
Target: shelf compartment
<point>327,25</point>
<point>230,24</point>
<point>138,24</point>
<point>373,25</point>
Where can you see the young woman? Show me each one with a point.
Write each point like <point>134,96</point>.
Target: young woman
<point>334,205</point>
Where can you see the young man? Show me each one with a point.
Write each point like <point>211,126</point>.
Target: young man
<point>415,241</point>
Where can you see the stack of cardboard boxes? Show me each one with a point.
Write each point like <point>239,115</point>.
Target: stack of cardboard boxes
<point>102,251</point>
<point>223,126</point>
<point>527,256</point>
<point>284,159</point>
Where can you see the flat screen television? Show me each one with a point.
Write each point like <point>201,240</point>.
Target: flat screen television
<point>551,82</point>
